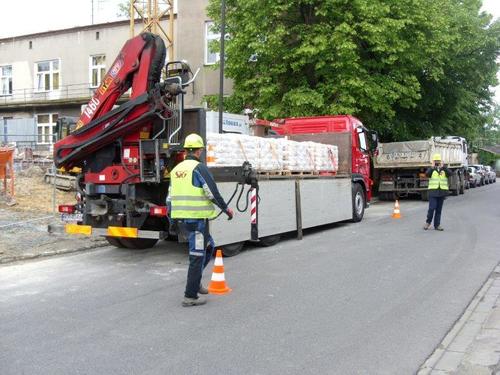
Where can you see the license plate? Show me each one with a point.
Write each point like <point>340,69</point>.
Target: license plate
<point>71,217</point>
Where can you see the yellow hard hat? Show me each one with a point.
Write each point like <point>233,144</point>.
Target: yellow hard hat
<point>436,157</point>
<point>193,140</point>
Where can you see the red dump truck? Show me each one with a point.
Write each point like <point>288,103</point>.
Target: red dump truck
<point>126,155</point>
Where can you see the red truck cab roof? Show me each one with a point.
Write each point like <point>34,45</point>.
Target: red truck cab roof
<point>316,124</point>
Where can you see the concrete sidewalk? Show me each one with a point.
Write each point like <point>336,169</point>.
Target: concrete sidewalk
<point>472,346</point>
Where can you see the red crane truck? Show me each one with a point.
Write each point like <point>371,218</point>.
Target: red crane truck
<point>126,154</point>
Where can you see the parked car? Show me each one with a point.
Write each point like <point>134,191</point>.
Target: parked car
<point>492,175</point>
<point>482,172</point>
<point>474,177</point>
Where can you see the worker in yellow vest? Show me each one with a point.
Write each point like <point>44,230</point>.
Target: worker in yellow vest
<point>438,190</point>
<point>192,198</point>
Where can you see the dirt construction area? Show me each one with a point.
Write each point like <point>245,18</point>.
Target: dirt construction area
<point>24,220</point>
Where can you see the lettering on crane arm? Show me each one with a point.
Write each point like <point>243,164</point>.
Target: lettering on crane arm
<point>105,84</point>
<point>91,107</point>
<point>108,79</point>
<point>113,72</point>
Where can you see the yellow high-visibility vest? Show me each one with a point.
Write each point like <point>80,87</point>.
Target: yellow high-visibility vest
<point>438,181</point>
<point>188,201</point>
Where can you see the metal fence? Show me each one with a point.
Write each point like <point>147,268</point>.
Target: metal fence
<point>31,95</point>
<point>20,131</point>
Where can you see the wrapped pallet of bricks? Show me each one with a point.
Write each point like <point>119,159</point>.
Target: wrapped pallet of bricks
<point>270,154</point>
<point>231,150</point>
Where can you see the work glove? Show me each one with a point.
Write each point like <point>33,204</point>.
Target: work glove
<point>229,213</point>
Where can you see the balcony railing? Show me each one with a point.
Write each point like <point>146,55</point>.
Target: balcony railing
<point>33,96</point>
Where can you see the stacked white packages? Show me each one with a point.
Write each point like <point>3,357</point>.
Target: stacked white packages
<point>270,154</point>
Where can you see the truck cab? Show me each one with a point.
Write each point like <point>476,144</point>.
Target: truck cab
<point>359,141</point>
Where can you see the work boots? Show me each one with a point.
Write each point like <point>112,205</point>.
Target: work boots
<point>440,228</point>
<point>187,302</point>
<point>203,290</point>
<point>426,226</point>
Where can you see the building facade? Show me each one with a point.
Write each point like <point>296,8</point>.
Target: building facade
<point>54,73</point>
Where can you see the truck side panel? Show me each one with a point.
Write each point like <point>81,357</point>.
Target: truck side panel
<point>323,201</point>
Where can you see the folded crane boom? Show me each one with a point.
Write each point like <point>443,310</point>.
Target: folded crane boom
<point>137,67</point>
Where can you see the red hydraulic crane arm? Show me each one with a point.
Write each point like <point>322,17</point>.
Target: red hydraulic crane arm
<point>138,66</point>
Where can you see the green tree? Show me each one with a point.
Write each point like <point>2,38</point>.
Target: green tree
<point>408,68</point>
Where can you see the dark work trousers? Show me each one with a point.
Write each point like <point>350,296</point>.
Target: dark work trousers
<point>435,207</point>
<point>201,250</point>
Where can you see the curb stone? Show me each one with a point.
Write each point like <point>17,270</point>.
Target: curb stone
<point>464,340</point>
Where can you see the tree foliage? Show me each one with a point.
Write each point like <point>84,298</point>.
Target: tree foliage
<point>407,68</point>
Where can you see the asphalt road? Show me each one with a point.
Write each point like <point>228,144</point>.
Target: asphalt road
<point>368,298</point>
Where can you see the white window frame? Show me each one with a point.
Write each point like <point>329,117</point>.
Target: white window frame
<point>210,36</point>
<point>2,77</point>
<point>48,129</point>
<point>100,75</point>
<point>50,72</point>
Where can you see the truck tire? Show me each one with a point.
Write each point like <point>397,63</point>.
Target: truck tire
<point>138,243</point>
<point>114,241</point>
<point>358,203</point>
<point>269,240</point>
<point>387,196</point>
<point>462,186</point>
<point>232,249</point>
<point>456,189</point>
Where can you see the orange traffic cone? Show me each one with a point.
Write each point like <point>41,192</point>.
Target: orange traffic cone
<point>396,213</point>
<point>218,283</point>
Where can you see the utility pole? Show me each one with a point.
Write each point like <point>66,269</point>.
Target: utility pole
<point>221,62</point>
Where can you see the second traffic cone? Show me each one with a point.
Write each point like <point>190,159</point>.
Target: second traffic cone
<point>218,283</point>
<point>396,213</point>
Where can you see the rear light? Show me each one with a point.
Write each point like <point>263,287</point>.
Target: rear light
<point>158,211</point>
<point>67,208</point>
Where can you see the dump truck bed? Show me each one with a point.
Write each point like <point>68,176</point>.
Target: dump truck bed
<point>418,154</point>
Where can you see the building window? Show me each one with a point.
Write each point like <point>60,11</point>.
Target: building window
<point>97,69</point>
<point>6,80</point>
<point>45,126</point>
<point>47,75</point>
<point>211,35</point>
<point>97,35</point>
<point>30,44</point>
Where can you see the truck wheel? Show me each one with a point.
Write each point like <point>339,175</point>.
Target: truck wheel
<point>462,187</point>
<point>269,240</point>
<point>382,196</point>
<point>115,242</point>
<point>358,203</point>
<point>456,189</point>
<point>138,243</point>
<point>424,196</point>
<point>232,249</point>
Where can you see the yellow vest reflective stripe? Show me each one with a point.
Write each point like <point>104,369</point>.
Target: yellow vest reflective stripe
<point>438,181</point>
<point>187,200</point>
